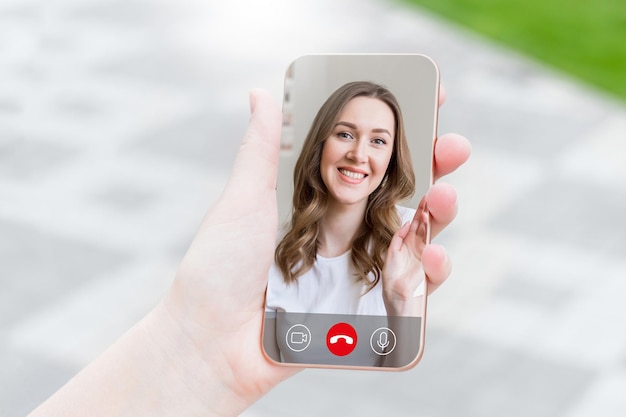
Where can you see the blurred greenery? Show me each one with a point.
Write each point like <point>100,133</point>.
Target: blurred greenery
<point>585,38</point>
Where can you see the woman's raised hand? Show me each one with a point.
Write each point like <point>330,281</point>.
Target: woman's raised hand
<point>403,272</point>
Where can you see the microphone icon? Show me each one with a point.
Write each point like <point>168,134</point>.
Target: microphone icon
<point>383,340</point>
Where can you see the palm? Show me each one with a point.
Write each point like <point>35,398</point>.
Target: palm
<point>403,272</point>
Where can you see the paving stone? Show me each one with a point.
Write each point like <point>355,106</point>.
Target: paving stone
<point>37,268</point>
<point>9,106</point>
<point>115,13</point>
<point>559,211</point>
<point>153,66</point>
<point>546,297</point>
<point>26,158</point>
<point>125,197</point>
<point>23,386</point>
<point>457,376</point>
<point>206,140</point>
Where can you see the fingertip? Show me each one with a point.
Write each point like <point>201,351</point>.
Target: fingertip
<point>451,151</point>
<point>442,202</point>
<point>265,114</point>
<point>261,99</point>
<point>252,99</point>
<point>464,145</point>
<point>437,265</point>
<point>443,189</point>
<point>256,163</point>
<point>436,253</point>
<point>459,144</point>
<point>400,234</point>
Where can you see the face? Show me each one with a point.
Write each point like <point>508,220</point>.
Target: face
<point>356,154</point>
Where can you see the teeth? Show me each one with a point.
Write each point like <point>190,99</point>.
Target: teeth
<point>355,175</point>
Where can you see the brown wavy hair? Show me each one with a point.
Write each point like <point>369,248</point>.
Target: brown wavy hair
<point>296,252</point>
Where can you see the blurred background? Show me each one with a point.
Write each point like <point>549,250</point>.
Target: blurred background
<point>119,122</point>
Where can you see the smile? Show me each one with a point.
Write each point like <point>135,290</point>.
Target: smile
<point>351,174</point>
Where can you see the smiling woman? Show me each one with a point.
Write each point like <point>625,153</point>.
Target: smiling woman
<point>349,253</point>
<point>345,251</point>
<point>337,256</point>
<point>356,155</point>
<point>353,169</point>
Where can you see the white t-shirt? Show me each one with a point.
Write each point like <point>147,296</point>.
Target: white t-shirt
<point>329,287</point>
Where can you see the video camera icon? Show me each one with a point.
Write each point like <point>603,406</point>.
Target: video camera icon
<point>298,337</point>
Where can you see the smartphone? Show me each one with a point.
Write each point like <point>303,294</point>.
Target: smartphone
<point>346,288</point>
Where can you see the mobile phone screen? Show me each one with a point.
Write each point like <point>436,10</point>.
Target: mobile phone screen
<point>346,288</point>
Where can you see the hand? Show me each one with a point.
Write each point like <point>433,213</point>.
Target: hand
<point>451,151</point>
<point>403,272</point>
<point>217,300</point>
<point>199,351</point>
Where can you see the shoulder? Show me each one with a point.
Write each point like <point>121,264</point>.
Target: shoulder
<point>406,213</point>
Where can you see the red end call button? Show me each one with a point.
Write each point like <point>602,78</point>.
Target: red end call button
<point>341,339</point>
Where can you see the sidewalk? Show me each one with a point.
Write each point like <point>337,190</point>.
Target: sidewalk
<point>119,122</point>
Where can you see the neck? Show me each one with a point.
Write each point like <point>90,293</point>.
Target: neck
<point>339,227</point>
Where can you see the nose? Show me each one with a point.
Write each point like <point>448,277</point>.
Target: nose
<point>358,151</point>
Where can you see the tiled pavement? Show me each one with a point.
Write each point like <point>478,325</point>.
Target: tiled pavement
<point>118,124</point>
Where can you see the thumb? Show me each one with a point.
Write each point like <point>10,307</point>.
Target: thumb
<point>256,164</point>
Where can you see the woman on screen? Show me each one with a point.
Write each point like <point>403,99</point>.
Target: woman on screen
<point>349,248</point>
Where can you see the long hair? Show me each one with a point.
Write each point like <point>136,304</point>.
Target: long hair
<point>296,252</point>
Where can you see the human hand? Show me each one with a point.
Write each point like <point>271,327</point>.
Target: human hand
<point>440,202</point>
<point>403,273</point>
<point>199,351</point>
<point>217,298</point>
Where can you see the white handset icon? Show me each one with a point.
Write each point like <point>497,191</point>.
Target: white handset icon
<point>334,339</point>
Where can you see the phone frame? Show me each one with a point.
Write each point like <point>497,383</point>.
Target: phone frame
<point>417,196</point>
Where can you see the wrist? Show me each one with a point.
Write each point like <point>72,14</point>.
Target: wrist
<point>151,370</point>
<point>193,381</point>
<point>221,358</point>
<point>398,304</point>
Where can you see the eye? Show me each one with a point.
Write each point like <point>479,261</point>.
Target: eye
<point>344,135</point>
<point>379,141</point>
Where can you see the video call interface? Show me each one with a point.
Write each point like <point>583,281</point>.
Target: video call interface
<point>348,323</point>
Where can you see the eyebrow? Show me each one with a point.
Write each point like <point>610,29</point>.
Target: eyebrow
<point>353,126</point>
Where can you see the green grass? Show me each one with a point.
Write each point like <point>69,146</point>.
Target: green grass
<point>585,38</point>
